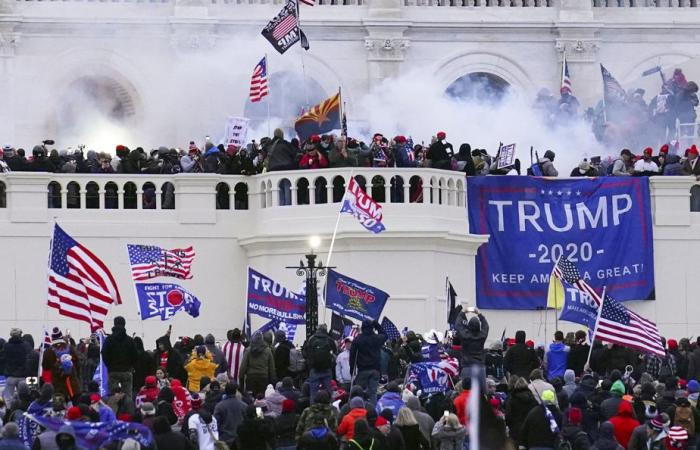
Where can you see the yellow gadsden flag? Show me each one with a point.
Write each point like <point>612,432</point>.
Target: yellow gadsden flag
<point>555,293</point>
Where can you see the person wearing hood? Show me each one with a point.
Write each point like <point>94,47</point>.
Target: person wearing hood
<point>448,433</point>
<point>569,383</point>
<point>411,349</point>
<point>61,360</point>
<point>346,428</point>
<point>164,405</point>
<point>169,359</point>
<point>256,432</point>
<point>15,352</point>
<point>320,408</point>
<point>624,423</point>
<point>363,438</point>
<point>285,426</point>
<point>493,360</point>
<point>143,366</point>
<point>65,439</point>
<point>519,403</point>
<point>547,164</point>
<point>472,335</point>
<point>520,359</point>
<point>572,433</point>
<point>198,367</point>
<point>119,355</point>
<point>165,438</point>
<point>543,423</point>
<point>216,354</point>
<point>610,406</point>
<point>538,385</point>
<point>556,357</point>
<point>229,414</point>
<point>365,357</point>
<point>318,437</point>
<point>282,349</point>
<point>258,366</point>
<point>391,399</point>
<point>606,438</point>
<point>425,422</point>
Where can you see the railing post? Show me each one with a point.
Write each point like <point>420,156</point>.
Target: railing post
<point>27,195</point>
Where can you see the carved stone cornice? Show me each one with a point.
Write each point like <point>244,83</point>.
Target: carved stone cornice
<point>386,49</point>
<point>578,50</point>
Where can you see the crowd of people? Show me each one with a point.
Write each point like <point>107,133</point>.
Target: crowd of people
<point>263,392</point>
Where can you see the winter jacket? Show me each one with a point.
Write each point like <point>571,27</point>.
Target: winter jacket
<point>425,422</point>
<point>610,407</point>
<point>440,153</point>
<point>535,429</point>
<point>365,349</point>
<point>624,423</point>
<point>317,161</point>
<point>392,401</point>
<point>258,360</point>
<point>119,351</point>
<point>638,438</point>
<point>216,354</point>
<point>578,354</point>
<point>577,438</point>
<point>413,438</point>
<point>537,387</point>
<point>346,429</point>
<point>613,358</point>
<point>556,359</point>
<point>460,404</point>
<point>285,427</point>
<point>404,156</point>
<point>447,437</point>
<point>328,412</point>
<point>410,352</point>
<point>16,352</point>
<point>547,167</point>
<point>229,415</point>
<point>173,441</point>
<point>281,354</point>
<point>606,439</point>
<point>196,369</point>
<point>518,405</point>
<point>281,156</point>
<point>694,361</point>
<point>255,434</point>
<point>12,444</point>
<point>472,335</point>
<point>175,365</point>
<point>320,438</point>
<point>342,367</point>
<point>520,360</point>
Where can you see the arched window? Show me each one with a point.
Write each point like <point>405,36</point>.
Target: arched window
<point>338,188</point>
<point>378,191</point>
<point>222,196</point>
<point>92,195</point>
<point>442,195</point>
<point>54,195</point>
<point>3,195</point>
<point>73,195</point>
<point>111,195</point>
<point>695,198</point>
<point>397,189</point>
<point>285,192</point>
<point>240,196</point>
<point>148,197</point>
<point>480,87</point>
<point>302,191</point>
<point>263,195</point>
<point>288,102</point>
<point>416,190</point>
<point>361,181</point>
<point>167,196</point>
<point>130,196</point>
<point>460,193</point>
<point>321,194</point>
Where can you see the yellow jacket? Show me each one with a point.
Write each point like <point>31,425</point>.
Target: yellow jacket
<point>196,369</point>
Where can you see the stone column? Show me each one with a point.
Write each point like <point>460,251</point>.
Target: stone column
<point>577,35</point>
<point>8,45</point>
<point>385,41</point>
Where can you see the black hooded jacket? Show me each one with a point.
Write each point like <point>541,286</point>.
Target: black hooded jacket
<point>175,365</point>
<point>366,348</point>
<point>119,351</point>
<point>520,359</point>
<point>472,335</point>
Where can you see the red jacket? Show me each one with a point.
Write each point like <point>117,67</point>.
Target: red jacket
<point>624,423</point>
<point>461,407</point>
<point>346,428</point>
<point>313,162</point>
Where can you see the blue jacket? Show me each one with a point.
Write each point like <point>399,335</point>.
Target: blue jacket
<point>404,156</point>
<point>557,356</point>
<point>392,401</point>
<point>16,353</point>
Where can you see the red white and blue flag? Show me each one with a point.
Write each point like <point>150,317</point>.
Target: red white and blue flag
<point>565,79</point>
<point>258,82</point>
<point>361,206</point>
<point>80,284</point>
<point>149,261</point>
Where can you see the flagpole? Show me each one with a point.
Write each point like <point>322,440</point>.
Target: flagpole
<point>269,85</point>
<point>46,308</point>
<point>303,67</point>
<point>556,300</point>
<point>595,328</point>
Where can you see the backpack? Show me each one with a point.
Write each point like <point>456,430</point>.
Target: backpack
<point>565,444</point>
<point>297,363</point>
<point>320,353</point>
<point>665,369</point>
<point>535,170</point>
<point>684,418</point>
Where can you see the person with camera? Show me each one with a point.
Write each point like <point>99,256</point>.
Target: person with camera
<point>365,357</point>
<point>16,352</point>
<point>119,355</point>
<point>320,351</point>
<point>472,334</point>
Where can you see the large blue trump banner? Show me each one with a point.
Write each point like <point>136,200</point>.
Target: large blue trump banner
<point>601,224</point>
<point>352,298</point>
<point>268,298</point>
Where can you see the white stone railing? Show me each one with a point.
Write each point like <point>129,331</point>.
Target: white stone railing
<point>645,3</point>
<point>484,3</point>
<point>26,194</point>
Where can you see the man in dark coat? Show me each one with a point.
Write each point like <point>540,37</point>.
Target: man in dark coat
<point>119,355</point>
<point>168,358</point>
<point>281,353</point>
<point>579,353</point>
<point>440,152</point>
<point>320,351</point>
<point>472,335</point>
<point>281,154</point>
<point>365,357</point>
<point>694,363</point>
<point>16,352</point>
<point>520,359</point>
<point>229,415</point>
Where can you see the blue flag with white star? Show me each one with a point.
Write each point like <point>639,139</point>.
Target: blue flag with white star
<point>603,225</point>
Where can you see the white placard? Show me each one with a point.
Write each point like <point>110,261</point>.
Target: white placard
<point>506,157</point>
<point>236,131</point>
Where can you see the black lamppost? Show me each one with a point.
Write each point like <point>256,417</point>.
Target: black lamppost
<point>312,271</point>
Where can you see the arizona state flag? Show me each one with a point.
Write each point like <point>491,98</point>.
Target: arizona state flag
<point>320,119</point>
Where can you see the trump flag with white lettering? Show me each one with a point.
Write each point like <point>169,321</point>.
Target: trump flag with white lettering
<point>601,224</point>
<point>268,298</point>
<point>361,206</point>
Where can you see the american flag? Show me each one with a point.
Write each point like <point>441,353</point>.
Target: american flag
<point>47,339</point>
<point>308,2</point>
<point>149,261</point>
<point>565,80</point>
<point>80,285</point>
<point>285,26</point>
<point>390,329</point>
<point>567,271</point>
<point>350,331</point>
<point>612,91</point>
<point>621,326</point>
<point>258,82</point>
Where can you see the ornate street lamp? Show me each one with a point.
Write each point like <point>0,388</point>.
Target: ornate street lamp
<point>312,271</point>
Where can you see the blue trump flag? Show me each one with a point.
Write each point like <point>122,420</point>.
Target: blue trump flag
<point>101,375</point>
<point>96,435</point>
<point>430,377</point>
<point>352,298</point>
<point>267,298</point>
<point>579,307</point>
<point>164,300</point>
<point>601,224</point>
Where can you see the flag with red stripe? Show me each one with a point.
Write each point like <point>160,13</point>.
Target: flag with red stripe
<point>258,82</point>
<point>619,325</point>
<point>150,261</point>
<point>80,284</point>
